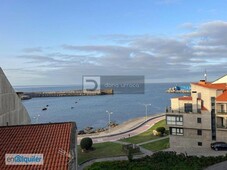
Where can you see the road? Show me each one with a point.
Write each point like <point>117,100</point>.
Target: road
<point>125,133</point>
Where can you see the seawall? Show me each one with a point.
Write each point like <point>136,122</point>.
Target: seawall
<point>28,95</point>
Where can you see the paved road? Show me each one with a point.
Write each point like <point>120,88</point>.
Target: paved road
<point>123,130</point>
<point>219,166</point>
<point>197,151</point>
<point>142,128</point>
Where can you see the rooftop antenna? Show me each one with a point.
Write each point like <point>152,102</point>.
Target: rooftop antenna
<point>205,75</point>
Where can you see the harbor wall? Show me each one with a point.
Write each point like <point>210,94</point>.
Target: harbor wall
<point>65,93</point>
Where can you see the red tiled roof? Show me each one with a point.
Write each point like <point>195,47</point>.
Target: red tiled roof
<point>44,139</point>
<point>213,86</point>
<point>185,98</point>
<point>222,97</point>
<point>203,108</point>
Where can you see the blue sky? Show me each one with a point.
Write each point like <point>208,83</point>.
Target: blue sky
<point>56,42</point>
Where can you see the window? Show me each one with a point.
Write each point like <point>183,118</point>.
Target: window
<point>199,132</point>
<point>187,107</point>
<point>176,131</point>
<point>222,108</point>
<point>174,120</point>
<point>200,144</point>
<point>199,120</point>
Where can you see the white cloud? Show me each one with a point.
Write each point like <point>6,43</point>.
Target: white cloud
<point>158,58</point>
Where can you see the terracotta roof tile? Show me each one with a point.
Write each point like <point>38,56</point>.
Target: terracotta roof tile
<point>44,139</point>
<point>220,86</point>
<point>203,108</point>
<point>185,98</point>
<point>222,97</point>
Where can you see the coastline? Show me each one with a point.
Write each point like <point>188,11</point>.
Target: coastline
<point>125,128</point>
<point>124,106</point>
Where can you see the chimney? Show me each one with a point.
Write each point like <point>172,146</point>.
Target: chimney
<point>202,82</point>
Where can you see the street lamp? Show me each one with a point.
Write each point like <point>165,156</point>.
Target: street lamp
<point>109,113</point>
<point>146,109</point>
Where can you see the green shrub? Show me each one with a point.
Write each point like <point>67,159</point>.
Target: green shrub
<point>132,147</point>
<point>161,130</point>
<point>86,143</point>
<point>130,155</point>
<point>161,161</point>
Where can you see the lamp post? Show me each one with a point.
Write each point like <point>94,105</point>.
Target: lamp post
<point>109,113</point>
<point>146,105</point>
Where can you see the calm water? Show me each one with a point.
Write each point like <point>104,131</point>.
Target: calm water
<point>91,110</point>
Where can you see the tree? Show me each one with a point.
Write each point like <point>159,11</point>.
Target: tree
<point>86,143</point>
<point>161,130</point>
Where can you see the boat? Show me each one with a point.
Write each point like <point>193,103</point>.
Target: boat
<point>44,108</point>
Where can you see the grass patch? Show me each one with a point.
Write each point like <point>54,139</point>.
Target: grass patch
<point>158,145</point>
<point>106,149</point>
<point>145,136</point>
<point>161,161</point>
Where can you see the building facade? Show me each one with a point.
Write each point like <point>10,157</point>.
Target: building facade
<point>12,111</point>
<point>201,118</point>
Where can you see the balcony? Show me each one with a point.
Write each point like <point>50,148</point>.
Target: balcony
<point>221,112</point>
<point>183,112</point>
<point>221,127</point>
<point>221,122</point>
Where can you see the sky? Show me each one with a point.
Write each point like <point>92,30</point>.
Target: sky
<point>56,42</point>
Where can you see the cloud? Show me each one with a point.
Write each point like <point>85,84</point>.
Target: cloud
<point>160,59</point>
<point>212,33</point>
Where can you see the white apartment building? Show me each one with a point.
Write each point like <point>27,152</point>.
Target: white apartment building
<point>199,119</point>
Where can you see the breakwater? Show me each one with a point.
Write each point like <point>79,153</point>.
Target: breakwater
<point>179,89</point>
<point>29,95</point>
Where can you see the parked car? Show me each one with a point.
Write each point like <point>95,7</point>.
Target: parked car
<point>218,146</point>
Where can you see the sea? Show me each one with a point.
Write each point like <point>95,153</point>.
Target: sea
<point>91,110</point>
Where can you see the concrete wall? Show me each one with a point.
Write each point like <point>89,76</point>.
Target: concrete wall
<point>12,111</point>
<point>190,121</point>
<point>206,95</point>
<point>191,139</point>
<point>178,105</point>
<point>175,104</point>
<point>221,80</point>
<point>221,135</point>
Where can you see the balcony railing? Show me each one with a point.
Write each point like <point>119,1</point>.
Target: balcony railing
<point>221,112</point>
<point>181,111</point>
<point>221,126</point>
